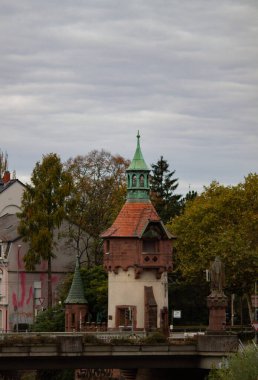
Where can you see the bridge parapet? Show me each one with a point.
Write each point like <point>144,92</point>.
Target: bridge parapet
<point>217,343</point>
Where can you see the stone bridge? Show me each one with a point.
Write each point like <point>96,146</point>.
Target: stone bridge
<point>67,350</point>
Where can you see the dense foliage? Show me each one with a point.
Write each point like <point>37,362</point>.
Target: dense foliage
<point>240,366</point>
<point>222,221</point>
<point>98,193</point>
<point>190,300</point>
<point>51,320</point>
<point>163,187</point>
<point>42,211</point>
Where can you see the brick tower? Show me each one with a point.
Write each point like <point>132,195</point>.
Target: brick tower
<point>137,256</point>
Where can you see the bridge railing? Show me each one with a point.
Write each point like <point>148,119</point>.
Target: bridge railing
<point>105,336</point>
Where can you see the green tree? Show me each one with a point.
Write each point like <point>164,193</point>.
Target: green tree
<point>222,221</point>
<point>52,319</point>
<point>163,187</point>
<point>42,211</point>
<point>240,366</point>
<point>96,291</point>
<point>190,196</point>
<point>3,163</point>
<point>191,300</point>
<point>98,193</point>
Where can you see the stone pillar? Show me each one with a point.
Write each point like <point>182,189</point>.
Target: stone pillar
<point>217,303</point>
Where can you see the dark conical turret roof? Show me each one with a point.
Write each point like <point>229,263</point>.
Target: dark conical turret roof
<point>76,292</point>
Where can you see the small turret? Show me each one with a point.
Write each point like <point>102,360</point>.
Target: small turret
<point>76,305</point>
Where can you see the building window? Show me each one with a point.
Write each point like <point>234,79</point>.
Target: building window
<point>150,246</point>
<point>142,180</point>
<point>134,180</point>
<point>124,316</point>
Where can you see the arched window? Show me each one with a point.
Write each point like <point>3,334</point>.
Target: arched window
<point>134,180</point>
<point>142,180</point>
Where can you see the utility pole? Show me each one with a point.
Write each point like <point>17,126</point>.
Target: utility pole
<point>232,309</point>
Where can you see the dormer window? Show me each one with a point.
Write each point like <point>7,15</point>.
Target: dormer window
<point>151,238</point>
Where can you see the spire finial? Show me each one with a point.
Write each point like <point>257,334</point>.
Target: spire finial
<point>77,264</point>
<point>138,139</point>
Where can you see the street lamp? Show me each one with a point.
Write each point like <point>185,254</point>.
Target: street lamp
<point>18,286</point>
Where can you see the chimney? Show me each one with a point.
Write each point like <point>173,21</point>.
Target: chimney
<point>6,177</point>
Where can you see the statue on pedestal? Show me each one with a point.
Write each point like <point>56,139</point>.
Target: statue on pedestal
<point>217,301</point>
<point>217,273</point>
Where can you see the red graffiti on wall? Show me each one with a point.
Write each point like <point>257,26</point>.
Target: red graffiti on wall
<point>21,292</point>
<point>30,296</point>
<point>19,296</point>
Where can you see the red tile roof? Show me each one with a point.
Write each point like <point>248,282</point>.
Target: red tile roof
<point>132,220</point>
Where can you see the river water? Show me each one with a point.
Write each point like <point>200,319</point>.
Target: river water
<point>138,374</point>
<point>171,374</point>
<point>145,374</point>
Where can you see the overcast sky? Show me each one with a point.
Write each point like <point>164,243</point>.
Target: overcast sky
<point>81,75</point>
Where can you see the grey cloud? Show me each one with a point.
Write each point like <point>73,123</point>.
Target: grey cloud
<point>77,76</point>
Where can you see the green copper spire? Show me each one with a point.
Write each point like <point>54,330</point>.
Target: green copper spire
<point>138,177</point>
<point>138,162</point>
<point>76,292</point>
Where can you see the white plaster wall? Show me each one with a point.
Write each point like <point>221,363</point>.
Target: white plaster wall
<point>10,199</point>
<point>124,289</point>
